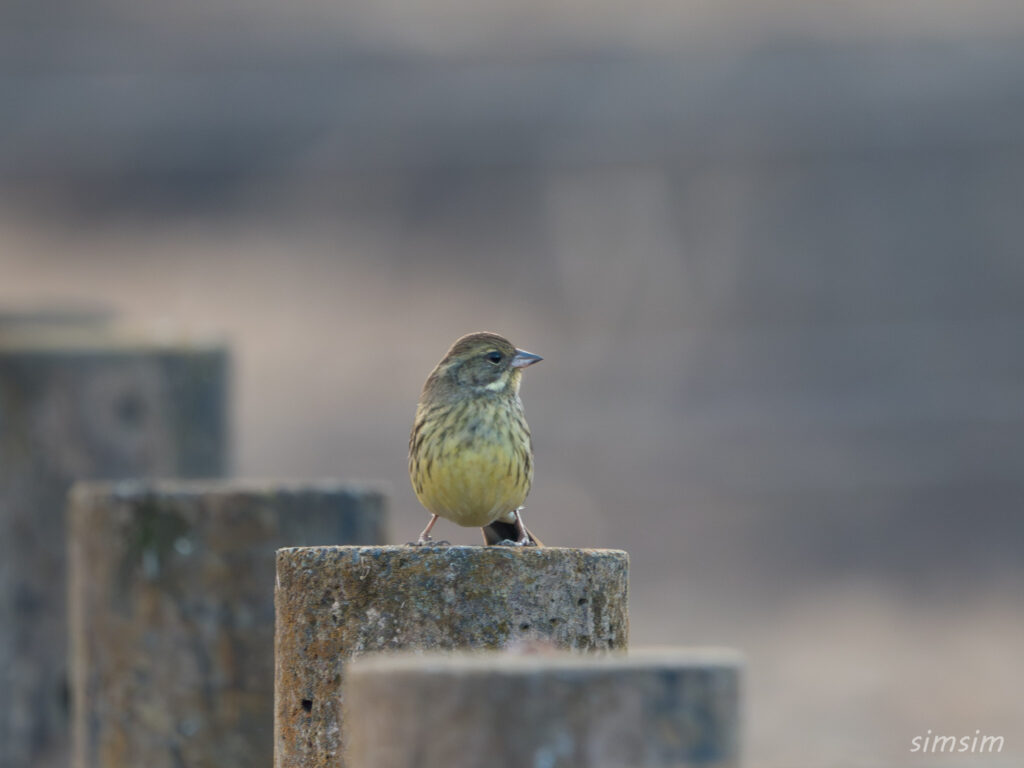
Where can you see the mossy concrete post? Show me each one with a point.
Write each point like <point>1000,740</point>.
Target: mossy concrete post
<point>172,613</point>
<point>76,403</point>
<point>657,709</point>
<point>336,603</point>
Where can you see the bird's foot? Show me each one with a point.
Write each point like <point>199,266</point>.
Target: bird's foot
<point>527,542</point>
<point>427,541</point>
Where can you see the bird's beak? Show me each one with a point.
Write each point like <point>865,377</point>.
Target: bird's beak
<point>523,359</point>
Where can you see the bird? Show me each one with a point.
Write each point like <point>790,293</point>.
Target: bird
<point>470,450</point>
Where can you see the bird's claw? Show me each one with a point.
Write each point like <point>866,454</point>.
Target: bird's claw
<point>527,542</point>
<point>426,541</point>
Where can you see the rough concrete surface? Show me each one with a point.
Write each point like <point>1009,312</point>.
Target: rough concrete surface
<point>336,603</point>
<point>172,613</point>
<point>671,708</point>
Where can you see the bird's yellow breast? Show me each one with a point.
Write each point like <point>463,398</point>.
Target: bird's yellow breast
<point>472,465</point>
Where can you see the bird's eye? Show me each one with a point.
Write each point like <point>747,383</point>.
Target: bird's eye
<point>494,357</point>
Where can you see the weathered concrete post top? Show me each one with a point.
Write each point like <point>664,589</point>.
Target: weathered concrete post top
<point>172,612</point>
<point>335,603</point>
<point>671,708</point>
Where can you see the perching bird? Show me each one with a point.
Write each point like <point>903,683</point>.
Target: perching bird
<point>470,451</point>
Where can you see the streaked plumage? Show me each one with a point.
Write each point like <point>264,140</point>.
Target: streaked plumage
<point>470,451</point>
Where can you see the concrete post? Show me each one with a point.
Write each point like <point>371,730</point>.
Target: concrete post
<point>658,709</point>
<point>77,404</point>
<point>336,603</point>
<point>172,613</point>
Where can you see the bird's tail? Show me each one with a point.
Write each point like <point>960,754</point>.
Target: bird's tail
<point>499,531</point>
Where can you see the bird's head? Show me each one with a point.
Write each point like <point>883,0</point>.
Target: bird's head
<point>482,362</point>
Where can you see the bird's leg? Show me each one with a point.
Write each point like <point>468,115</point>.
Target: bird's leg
<point>425,536</point>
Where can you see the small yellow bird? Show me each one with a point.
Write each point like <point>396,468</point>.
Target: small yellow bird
<point>470,451</point>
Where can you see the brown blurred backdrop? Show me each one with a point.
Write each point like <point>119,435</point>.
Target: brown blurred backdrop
<point>770,252</point>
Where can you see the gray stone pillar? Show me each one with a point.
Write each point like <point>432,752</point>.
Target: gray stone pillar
<point>172,613</point>
<point>335,603</point>
<point>658,709</point>
<point>75,403</point>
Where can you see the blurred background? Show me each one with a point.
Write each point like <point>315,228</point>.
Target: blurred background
<point>770,252</point>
